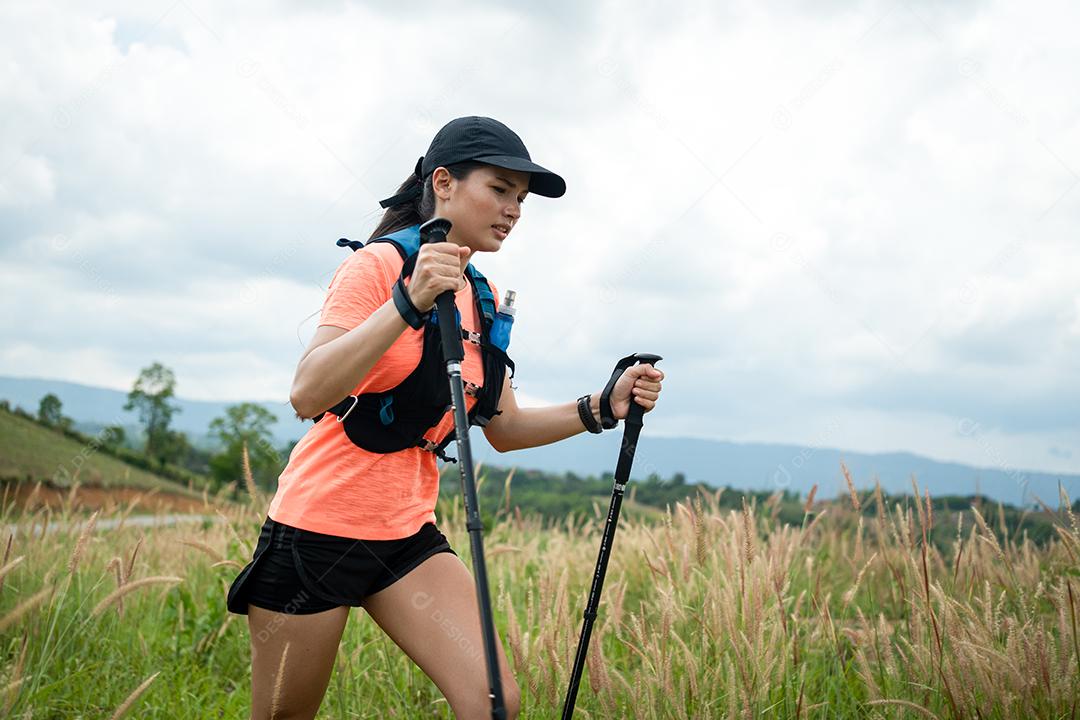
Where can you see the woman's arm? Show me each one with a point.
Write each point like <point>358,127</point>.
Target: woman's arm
<point>338,359</point>
<point>519,428</point>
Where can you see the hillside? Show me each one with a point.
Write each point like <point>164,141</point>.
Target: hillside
<point>92,406</point>
<point>30,453</point>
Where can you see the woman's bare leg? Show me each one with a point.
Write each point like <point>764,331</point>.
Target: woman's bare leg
<point>293,688</point>
<point>433,615</point>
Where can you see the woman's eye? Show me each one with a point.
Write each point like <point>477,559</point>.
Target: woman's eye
<point>502,191</point>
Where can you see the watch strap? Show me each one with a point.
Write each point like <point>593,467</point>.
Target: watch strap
<point>585,413</point>
<point>404,305</point>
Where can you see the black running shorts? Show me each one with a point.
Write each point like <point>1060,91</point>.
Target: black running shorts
<point>302,572</point>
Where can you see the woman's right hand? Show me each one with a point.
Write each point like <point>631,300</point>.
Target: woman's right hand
<point>439,267</point>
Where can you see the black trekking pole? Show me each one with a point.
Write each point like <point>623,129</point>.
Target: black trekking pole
<point>435,230</point>
<point>631,431</point>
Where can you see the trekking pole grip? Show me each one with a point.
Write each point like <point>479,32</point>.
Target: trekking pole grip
<point>435,231</point>
<point>636,413</point>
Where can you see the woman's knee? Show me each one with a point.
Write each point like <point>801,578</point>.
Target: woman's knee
<point>475,702</point>
<point>512,699</point>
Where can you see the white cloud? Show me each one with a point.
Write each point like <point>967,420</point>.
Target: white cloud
<point>857,217</point>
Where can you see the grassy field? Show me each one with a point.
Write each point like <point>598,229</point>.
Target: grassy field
<point>708,612</point>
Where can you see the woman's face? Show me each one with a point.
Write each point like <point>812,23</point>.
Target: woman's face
<point>483,207</point>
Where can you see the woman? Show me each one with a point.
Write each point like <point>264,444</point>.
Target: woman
<point>354,527</point>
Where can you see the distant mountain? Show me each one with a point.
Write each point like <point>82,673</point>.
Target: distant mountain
<point>751,466</point>
<point>762,466</point>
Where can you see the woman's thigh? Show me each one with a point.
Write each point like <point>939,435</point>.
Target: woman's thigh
<point>292,657</point>
<point>433,615</point>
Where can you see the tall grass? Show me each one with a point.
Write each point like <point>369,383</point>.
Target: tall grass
<point>709,612</point>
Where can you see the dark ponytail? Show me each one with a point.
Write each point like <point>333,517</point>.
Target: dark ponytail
<point>422,208</point>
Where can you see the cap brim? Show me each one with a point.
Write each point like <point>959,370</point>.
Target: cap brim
<point>541,180</point>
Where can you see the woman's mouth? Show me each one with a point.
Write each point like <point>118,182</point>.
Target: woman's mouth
<point>501,231</point>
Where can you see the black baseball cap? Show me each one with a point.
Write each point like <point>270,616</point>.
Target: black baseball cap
<point>485,140</point>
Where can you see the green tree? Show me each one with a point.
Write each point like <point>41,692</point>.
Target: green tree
<point>150,398</point>
<point>245,423</point>
<point>113,436</point>
<point>174,447</point>
<point>49,410</point>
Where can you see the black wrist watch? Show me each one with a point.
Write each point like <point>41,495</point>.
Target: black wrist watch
<point>408,311</point>
<point>586,415</point>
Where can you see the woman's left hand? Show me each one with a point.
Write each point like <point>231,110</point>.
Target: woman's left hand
<point>642,382</point>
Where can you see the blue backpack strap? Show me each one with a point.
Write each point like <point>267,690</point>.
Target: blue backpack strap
<point>484,295</point>
<point>406,240</point>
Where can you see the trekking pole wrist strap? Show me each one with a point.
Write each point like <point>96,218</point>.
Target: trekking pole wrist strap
<point>607,415</point>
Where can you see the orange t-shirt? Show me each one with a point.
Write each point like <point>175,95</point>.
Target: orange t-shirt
<point>334,487</point>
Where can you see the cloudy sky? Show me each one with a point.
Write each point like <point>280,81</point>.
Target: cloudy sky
<point>842,224</point>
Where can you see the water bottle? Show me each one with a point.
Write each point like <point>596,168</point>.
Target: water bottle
<point>504,321</point>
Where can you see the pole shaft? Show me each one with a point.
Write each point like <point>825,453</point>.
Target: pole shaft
<point>472,505</point>
<point>631,432</point>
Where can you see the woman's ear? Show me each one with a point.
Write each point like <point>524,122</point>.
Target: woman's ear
<point>441,181</point>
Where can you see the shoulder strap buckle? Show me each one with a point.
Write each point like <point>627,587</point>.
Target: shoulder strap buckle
<point>355,400</point>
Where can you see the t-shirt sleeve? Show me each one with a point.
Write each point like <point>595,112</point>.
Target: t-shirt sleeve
<point>360,286</point>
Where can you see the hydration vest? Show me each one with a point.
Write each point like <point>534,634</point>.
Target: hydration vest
<point>398,418</point>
